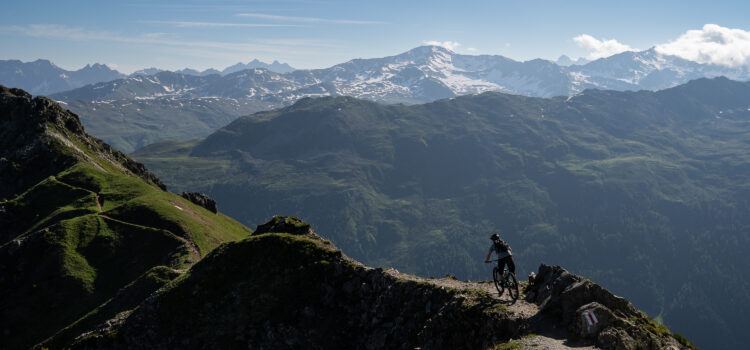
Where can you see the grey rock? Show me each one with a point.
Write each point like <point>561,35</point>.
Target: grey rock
<point>201,199</point>
<point>582,328</point>
<point>616,339</point>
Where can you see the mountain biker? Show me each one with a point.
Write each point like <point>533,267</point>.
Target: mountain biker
<point>504,254</point>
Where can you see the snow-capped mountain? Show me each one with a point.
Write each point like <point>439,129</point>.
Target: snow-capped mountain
<point>648,70</point>
<point>42,77</point>
<point>275,66</point>
<point>420,75</point>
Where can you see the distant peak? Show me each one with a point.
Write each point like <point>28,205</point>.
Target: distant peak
<point>44,62</point>
<point>431,48</point>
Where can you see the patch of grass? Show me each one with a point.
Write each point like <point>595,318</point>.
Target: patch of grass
<point>684,341</point>
<point>652,325</point>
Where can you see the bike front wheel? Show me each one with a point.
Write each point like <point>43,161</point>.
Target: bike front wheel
<point>498,282</point>
<point>512,283</point>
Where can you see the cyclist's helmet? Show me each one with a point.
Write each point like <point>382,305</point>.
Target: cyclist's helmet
<point>495,237</point>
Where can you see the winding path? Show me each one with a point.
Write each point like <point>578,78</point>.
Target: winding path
<point>192,248</point>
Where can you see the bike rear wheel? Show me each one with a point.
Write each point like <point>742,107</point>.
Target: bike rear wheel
<point>498,282</point>
<point>512,283</point>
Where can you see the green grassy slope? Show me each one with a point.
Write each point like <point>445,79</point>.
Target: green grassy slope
<point>645,192</point>
<point>95,222</point>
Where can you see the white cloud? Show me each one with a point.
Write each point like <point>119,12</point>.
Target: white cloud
<point>711,44</point>
<point>600,48</point>
<point>450,45</point>
<point>471,49</point>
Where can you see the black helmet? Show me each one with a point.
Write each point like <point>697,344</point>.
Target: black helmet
<point>495,237</point>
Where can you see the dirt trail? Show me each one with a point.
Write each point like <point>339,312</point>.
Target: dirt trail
<point>546,336</point>
<point>98,203</point>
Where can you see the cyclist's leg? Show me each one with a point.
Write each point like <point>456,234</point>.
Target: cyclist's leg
<point>501,267</point>
<point>511,264</point>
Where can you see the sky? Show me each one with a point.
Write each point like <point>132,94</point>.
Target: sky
<point>131,35</point>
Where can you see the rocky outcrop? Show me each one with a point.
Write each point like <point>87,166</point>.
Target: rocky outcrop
<point>202,200</point>
<point>285,224</point>
<point>591,312</point>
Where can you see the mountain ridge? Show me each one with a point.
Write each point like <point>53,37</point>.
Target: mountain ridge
<point>42,77</point>
<point>348,305</point>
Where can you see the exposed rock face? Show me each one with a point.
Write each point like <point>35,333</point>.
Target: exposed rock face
<point>36,138</point>
<point>22,123</point>
<point>201,199</point>
<point>616,323</point>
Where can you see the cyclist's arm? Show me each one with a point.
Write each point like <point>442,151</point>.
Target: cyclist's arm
<point>488,256</point>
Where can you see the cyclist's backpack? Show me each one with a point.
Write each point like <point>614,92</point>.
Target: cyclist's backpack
<point>501,246</point>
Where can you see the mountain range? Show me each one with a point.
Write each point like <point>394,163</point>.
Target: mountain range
<point>95,253</point>
<point>275,66</point>
<point>421,75</point>
<point>42,77</point>
<point>643,191</point>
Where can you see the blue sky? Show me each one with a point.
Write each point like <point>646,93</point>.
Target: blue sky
<point>317,34</point>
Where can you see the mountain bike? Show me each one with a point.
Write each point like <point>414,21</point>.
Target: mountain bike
<point>508,281</point>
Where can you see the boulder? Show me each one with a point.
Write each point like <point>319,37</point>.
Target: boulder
<point>591,319</point>
<point>560,292</point>
<point>202,200</point>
